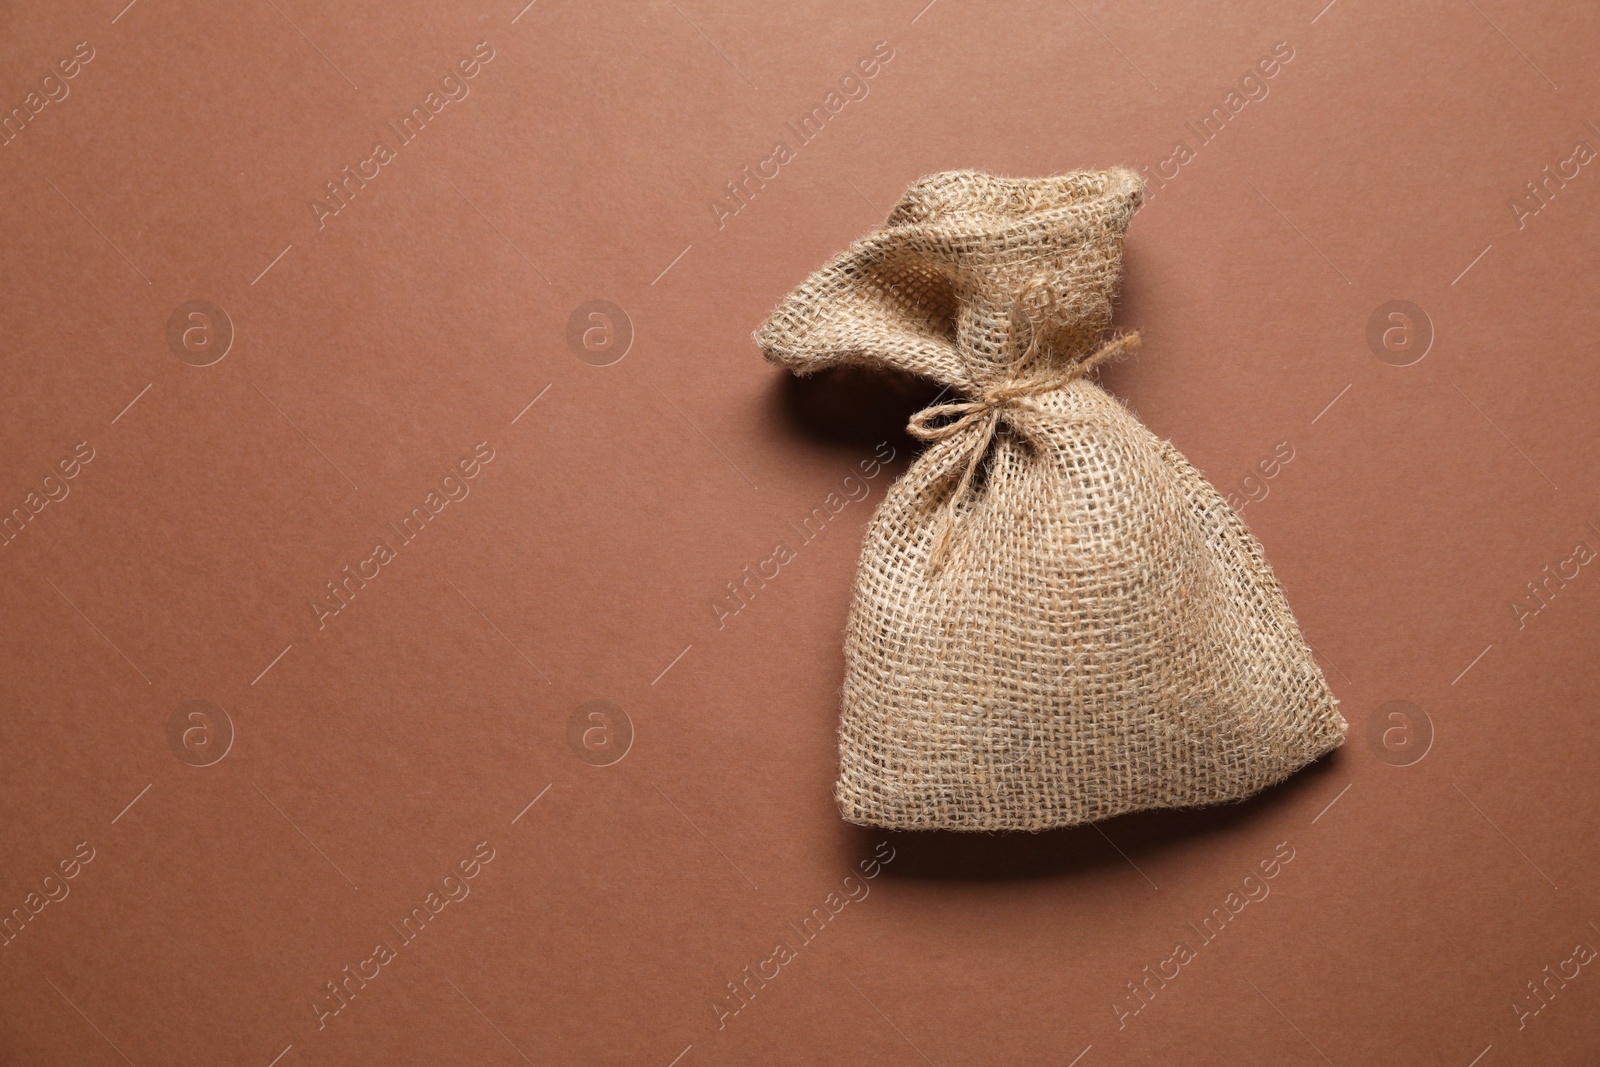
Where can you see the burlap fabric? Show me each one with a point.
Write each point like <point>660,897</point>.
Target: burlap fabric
<point>1056,619</point>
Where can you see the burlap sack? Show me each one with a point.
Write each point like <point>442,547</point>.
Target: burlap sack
<point>1056,619</point>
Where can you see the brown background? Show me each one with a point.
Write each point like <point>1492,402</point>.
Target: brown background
<point>370,755</point>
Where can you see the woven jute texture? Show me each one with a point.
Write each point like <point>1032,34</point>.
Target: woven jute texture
<point>1056,618</point>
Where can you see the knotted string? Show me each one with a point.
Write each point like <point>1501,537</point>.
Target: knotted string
<point>984,412</point>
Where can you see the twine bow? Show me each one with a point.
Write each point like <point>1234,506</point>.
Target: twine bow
<point>984,412</point>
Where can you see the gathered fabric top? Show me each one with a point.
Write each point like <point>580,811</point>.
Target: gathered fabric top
<point>970,274</point>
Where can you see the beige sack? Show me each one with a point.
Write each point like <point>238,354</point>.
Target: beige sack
<point>1057,619</point>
